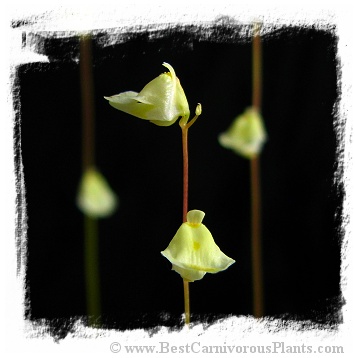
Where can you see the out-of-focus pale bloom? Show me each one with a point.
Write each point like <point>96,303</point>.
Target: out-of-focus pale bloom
<point>162,101</point>
<point>247,135</point>
<point>95,197</point>
<point>193,252</point>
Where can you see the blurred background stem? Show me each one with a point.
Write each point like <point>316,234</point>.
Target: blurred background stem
<point>91,241</point>
<point>91,249</point>
<point>255,183</point>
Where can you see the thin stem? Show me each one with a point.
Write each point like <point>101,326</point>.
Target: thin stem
<point>87,98</point>
<point>91,242</point>
<point>185,125</point>
<point>187,302</point>
<point>185,155</point>
<point>258,295</point>
<point>257,68</point>
<point>91,247</point>
<point>191,122</point>
<point>258,307</point>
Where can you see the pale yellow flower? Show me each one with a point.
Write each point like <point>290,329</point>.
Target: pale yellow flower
<point>162,101</point>
<point>193,252</point>
<point>247,135</point>
<point>95,197</point>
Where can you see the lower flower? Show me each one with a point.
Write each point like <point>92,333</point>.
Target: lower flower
<point>193,252</point>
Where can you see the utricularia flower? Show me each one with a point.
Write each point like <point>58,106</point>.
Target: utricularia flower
<point>95,197</point>
<point>162,101</point>
<point>247,135</point>
<point>193,252</point>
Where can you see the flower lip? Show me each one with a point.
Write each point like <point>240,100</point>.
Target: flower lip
<point>195,217</point>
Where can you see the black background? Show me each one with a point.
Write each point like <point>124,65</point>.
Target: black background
<point>143,164</point>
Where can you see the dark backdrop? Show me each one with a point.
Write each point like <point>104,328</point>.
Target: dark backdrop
<point>143,163</point>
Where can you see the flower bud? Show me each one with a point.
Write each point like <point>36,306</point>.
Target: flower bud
<point>198,109</point>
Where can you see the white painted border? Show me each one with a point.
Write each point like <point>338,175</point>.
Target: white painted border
<point>83,16</point>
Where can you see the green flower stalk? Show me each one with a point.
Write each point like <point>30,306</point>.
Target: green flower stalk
<point>193,251</point>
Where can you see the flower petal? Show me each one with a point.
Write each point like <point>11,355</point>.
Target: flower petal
<point>189,274</point>
<point>127,102</point>
<point>194,248</point>
<point>162,101</point>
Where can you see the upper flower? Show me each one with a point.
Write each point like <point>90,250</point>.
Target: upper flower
<point>193,252</point>
<point>247,135</point>
<point>162,101</point>
<point>95,197</point>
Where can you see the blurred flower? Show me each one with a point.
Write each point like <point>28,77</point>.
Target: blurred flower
<point>193,252</point>
<point>162,101</point>
<point>247,135</point>
<point>95,197</point>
